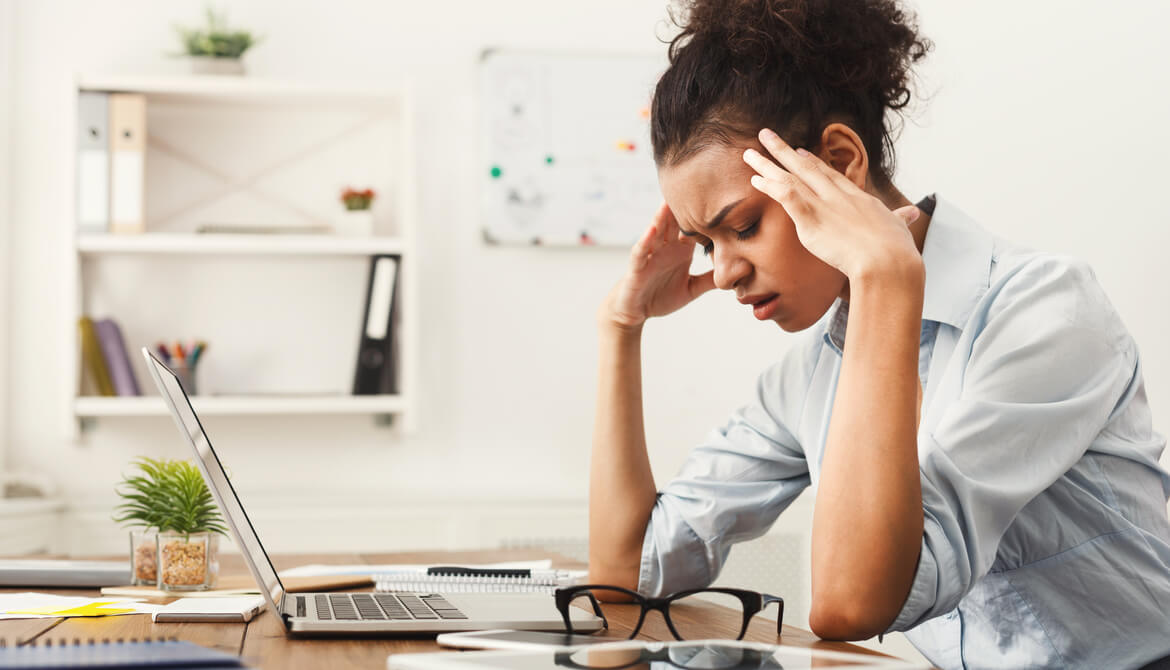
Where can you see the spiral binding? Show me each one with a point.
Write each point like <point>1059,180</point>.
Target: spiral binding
<point>78,642</point>
<point>537,582</point>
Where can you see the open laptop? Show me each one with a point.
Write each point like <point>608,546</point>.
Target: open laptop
<point>349,613</point>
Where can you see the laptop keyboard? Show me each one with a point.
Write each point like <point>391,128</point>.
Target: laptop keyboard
<point>381,606</point>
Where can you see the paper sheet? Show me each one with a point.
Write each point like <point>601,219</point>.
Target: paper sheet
<point>44,605</point>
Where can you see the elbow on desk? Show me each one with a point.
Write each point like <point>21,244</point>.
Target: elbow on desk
<point>845,618</point>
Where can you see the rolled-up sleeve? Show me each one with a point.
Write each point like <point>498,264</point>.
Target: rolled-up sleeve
<point>1043,365</point>
<point>731,488</point>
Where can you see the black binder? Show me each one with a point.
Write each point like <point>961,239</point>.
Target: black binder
<point>377,349</point>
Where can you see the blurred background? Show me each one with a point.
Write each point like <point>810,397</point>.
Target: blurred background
<point>1045,121</point>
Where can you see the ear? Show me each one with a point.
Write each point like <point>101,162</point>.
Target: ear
<point>843,149</point>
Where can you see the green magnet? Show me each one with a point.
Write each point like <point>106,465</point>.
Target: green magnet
<point>497,171</point>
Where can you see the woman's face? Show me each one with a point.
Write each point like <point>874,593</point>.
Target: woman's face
<point>750,239</point>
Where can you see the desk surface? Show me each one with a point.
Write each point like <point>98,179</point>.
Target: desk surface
<point>263,644</point>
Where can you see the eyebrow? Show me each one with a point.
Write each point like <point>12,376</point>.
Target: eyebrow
<point>717,219</point>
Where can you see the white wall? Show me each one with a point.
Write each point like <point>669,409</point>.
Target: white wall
<point>5,210</point>
<point>1047,123</point>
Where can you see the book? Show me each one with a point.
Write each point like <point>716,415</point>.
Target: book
<point>117,360</point>
<point>456,579</point>
<point>92,359</point>
<point>148,653</point>
<point>229,609</point>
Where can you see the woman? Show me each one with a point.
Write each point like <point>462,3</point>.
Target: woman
<point>971,414</point>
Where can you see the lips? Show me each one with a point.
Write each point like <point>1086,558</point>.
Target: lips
<point>757,298</point>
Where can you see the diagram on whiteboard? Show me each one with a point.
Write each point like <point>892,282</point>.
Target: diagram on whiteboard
<point>565,147</point>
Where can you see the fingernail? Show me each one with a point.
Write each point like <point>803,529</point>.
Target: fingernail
<point>914,214</point>
<point>767,134</point>
<point>757,181</point>
<point>747,155</point>
<point>802,152</point>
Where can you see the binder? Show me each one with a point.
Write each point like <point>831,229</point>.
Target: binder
<point>93,162</point>
<point>376,371</point>
<point>127,162</point>
<point>116,357</point>
<point>91,354</point>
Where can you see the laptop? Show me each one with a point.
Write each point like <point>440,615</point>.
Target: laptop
<point>349,613</point>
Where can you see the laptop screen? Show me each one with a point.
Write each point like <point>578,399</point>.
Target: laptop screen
<point>217,479</point>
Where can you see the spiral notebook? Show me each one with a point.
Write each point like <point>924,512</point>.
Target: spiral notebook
<point>148,653</point>
<point>455,579</point>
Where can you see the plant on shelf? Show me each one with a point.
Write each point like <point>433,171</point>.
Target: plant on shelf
<point>214,48</point>
<point>180,524</point>
<point>358,218</point>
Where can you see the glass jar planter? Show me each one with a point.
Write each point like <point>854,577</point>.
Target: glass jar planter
<point>143,558</point>
<point>187,561</point>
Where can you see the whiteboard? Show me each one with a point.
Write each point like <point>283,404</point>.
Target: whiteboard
<point>565,147</point>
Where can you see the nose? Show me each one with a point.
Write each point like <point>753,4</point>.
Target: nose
<point>729,267</point>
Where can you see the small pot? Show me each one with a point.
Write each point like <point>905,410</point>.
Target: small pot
<point>355,223</point>
<point>188,562</point>
<point>214,65</point>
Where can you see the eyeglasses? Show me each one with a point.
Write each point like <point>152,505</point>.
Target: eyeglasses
<point>687,613</point>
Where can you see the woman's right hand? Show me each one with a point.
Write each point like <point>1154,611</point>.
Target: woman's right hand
<point>658,280</point>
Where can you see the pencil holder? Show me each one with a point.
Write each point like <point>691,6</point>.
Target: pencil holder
<point>188,561</point>
<point>186,375</point>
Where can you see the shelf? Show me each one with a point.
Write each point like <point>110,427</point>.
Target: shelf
<point>236,88</point>
<point>96,406</point>
<point>209,243</point>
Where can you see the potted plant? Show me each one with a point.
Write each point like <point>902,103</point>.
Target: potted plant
<point>214,49</point>
<point>180,525</point>
<point>358,218</point>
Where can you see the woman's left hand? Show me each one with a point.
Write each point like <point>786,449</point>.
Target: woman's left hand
<point>835,220</point>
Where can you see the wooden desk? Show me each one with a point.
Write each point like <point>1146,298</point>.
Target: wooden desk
<point>263,644</point>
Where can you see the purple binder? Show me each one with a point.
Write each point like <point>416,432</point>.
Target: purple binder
<point>117,360</point>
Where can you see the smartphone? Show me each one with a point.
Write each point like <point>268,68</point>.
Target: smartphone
<point>519,639</point>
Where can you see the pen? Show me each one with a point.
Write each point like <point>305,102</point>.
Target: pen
<point>163,353</point>
<point>180,356</point>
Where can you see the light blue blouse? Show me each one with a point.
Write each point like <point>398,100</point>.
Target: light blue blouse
<point>1046,540</point>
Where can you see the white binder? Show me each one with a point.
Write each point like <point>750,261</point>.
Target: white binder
<point>93,162</point>
<point>127,162</point>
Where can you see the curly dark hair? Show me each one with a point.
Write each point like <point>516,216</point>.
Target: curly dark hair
<point>790,65</point>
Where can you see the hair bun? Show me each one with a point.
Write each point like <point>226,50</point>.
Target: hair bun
<point>849,45</point>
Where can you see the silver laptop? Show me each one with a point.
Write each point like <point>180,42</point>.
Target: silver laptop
<point>345,613</point>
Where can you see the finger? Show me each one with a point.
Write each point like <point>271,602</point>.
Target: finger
<point>667,224</point>
<point>909,213</point>
<point>764,166</point>
<point>640,252</point>
<point>805,166</point>
<point>793,195</point>
<point>700,284</point>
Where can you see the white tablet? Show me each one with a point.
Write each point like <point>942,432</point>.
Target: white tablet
<point>696,655</point>
<point>519,639</point>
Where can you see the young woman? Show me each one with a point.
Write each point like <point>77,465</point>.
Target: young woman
<point>971,415</point>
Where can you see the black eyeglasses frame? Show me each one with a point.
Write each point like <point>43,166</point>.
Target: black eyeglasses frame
<point>753,602</point>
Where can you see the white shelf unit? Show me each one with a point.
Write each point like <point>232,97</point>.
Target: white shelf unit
<point>194,243</point>
<point>95,406</point>
<point>172,250</point>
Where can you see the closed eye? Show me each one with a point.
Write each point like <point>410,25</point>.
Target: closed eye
<point>748,232</point>
<point>743,234</point>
